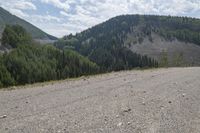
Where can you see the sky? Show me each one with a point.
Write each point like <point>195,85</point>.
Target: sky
<point>62,17</point>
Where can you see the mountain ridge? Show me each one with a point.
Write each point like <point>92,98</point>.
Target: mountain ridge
<point>130,31</point>
<point>7,18</point>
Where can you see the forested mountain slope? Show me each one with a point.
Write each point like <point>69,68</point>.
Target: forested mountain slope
<point>172,41</point>
<point>29,62</point>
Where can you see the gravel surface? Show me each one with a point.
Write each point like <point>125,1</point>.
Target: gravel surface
<point>149,101</point>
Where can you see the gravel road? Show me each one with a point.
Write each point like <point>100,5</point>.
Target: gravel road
<point>149,101</point>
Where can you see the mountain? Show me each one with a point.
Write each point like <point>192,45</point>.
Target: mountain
<point>171,41</point>
<point>37,34</point>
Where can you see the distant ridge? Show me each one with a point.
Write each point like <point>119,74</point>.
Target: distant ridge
<point>37,34</point>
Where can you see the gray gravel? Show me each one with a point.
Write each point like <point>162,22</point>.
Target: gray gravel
<point>150,101</point>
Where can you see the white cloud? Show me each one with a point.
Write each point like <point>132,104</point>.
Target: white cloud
<point>25,5</point>
<point>58,3</point>
<point>19,13</point>
<point>63,13</point>
<point>44,18</point>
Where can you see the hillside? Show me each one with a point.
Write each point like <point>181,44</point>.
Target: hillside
<point>172,41</point>
<point>38,63</point>
<point>36,33</point>
<point>30,62</point>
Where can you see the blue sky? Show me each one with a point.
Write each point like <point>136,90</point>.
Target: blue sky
<point>62,17</point>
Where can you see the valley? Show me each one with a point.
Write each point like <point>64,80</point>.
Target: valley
<point>107,66</point>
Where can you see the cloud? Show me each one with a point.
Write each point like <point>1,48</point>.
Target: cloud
<point>18,12</point>
<point>44,18</point>
<point>71,16</point>
<point>63,13</point>
<point>25,5</point>
<point>58,3</point>
<point>18,7</point>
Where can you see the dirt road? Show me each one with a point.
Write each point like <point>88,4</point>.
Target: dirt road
<point>150,101</point>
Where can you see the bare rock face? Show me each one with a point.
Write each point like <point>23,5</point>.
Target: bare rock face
<point>185,53</point>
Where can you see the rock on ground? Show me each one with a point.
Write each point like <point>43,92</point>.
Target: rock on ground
<point>149,101</point>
